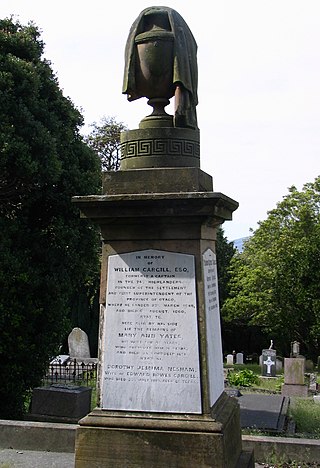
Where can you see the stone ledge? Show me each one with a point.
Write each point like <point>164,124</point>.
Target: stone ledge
<point>284,448</point>
<point>43,436</point>
<point>55,437</point>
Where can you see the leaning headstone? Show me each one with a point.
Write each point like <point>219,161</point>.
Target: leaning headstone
<point>78,344</point>
<point>268,362</point>
<point>294,369</point>
<point>239,358</point>
<point>229,360</point>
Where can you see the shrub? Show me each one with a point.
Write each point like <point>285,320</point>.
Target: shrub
<point>243,378</point>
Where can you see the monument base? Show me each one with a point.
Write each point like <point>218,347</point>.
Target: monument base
<point>290,390</point>
<point>112,439</point>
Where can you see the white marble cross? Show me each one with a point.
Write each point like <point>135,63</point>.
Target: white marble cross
<point>268,363</point>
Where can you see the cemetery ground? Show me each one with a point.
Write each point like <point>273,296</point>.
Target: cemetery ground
<point>303,413</point>
<point>297,420</point>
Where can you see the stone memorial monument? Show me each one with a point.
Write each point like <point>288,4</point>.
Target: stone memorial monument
<point>161,399</point>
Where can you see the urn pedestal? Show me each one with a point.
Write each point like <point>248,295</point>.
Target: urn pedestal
<point>161,398</point>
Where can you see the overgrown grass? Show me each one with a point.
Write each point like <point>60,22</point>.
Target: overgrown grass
<point>306,415</point>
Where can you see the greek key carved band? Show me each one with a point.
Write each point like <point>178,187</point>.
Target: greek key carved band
<point>160,147</point>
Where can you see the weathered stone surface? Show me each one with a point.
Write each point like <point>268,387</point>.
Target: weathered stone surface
<point>294,369</point>
<point>59,401</point>
<point>213,326</point>
<point>160,147</point>
<point>150,347</point>
<point>136,441</point>
<point>78,343</point>
<point>156,180</point>
<point>291,390</point>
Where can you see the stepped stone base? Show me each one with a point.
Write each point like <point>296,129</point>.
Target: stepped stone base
<point>106,439</point>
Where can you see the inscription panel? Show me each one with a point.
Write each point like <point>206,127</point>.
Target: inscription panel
<point>151,356</point>
<point>213,326</point>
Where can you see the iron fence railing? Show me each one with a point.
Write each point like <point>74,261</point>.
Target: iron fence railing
<point>72,372</point>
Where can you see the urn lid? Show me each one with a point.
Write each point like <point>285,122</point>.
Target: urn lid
<point>155,34</point>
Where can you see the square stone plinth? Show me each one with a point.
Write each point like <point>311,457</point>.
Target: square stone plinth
<point>127,440</point>
<point>291,390</point>
<point>59,402</point>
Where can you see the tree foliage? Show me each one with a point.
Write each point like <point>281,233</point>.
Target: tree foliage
<point>105,141</point>
<point>275,281</point>
<point>47,253</point>
<point>225,252</point>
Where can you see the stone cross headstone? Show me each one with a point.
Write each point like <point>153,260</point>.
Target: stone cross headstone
<point>269,362</point>
<point>78,344</point>
<point>239,358</point>
<point>229,359</point>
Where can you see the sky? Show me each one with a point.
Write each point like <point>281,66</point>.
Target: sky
<point>259,85</point>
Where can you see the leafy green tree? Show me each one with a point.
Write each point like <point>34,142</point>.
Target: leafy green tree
<point>47,253</point>
<point>105,141</point>
<point>225,252</point>
<point>275,281</point>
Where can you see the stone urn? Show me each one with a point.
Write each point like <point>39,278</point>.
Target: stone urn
<point>154,65</point>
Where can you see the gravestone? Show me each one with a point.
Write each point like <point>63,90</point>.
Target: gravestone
<point>268,361</point>
<point>161,386</point>
<point>294,385</point>
<point>279,365</point>
<point>229,359</point>
<point>239,358</point>
<point>78,344</point>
